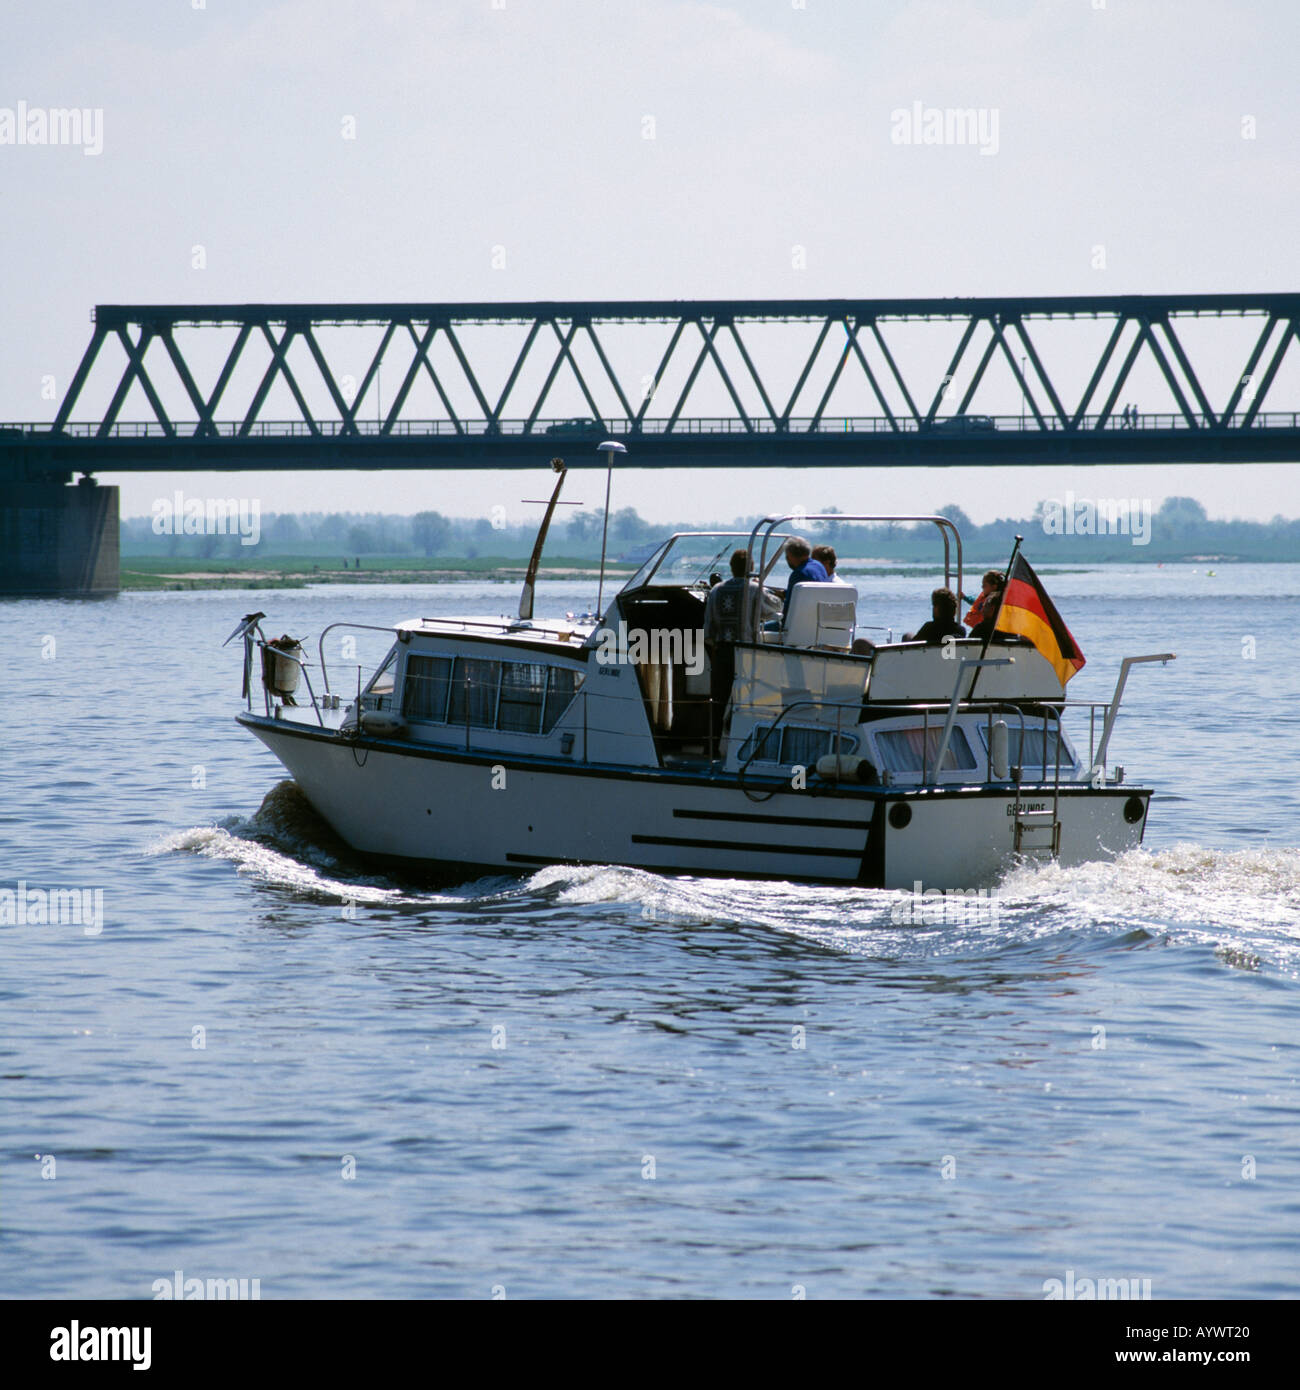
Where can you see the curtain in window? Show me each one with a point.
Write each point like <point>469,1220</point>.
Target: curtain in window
<point>1031,755</point>
<point>425,692</point>
<point>903,750</point>
<point>804,746</point>
<point>480,699</point>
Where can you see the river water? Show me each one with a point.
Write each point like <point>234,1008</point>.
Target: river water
<point>264,1061</point>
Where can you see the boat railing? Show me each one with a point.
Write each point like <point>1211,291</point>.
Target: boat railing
<point>934,716</point>
<point>1098,764</point>
<point>761,735</point>
<point>767,527</point>
<point>500,626</point>
<point>557,627</point>
<point>320,648</point>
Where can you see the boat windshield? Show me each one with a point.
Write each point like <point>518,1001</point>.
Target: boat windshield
<point>689,558</point>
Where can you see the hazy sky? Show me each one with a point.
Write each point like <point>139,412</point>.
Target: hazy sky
<point>324,150</point>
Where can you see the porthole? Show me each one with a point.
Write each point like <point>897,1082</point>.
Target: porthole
<point>900,815</point>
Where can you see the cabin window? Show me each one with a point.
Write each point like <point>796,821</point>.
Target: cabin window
<point>523,693</point>
<point>379,693</point>
<point>474,688</point>
<point>794,746</point>
<point>909,750</point>
<point>428,680</point>
<point>1032,755</point>
<point>524,697</point>
<point>563,687</point>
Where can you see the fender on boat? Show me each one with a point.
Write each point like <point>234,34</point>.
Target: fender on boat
<point>383,723</point>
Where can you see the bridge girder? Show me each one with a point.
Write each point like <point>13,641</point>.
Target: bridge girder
<point>789,425</point>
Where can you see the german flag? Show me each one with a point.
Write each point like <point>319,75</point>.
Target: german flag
<point>1026,609</point>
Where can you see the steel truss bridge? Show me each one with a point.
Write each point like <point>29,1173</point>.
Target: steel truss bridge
<point>492,388</point>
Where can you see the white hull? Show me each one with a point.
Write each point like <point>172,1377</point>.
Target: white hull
<point>437,809</point>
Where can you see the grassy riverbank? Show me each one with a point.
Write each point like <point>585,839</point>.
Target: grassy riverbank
<point>297,572</point>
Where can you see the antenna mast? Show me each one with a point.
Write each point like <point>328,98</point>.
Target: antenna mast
<point>530,579</point>
<point>609,448</point>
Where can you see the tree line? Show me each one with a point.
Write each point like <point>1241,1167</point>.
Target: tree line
<point>1179,528</point>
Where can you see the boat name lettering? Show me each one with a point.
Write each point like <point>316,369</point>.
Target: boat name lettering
<point>1026,806</point>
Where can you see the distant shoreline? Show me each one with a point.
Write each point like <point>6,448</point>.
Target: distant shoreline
<point>190,574</point>
<point>182,574</point>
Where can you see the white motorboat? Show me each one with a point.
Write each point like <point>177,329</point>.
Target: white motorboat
<point>483,745</point>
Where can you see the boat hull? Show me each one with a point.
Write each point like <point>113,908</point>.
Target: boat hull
<point>441,810</point>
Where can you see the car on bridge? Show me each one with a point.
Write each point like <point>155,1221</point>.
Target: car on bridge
<point>964,424</point>
<point>576,429</point>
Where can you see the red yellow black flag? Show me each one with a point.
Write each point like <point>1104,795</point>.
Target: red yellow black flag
<point>1026,609</point>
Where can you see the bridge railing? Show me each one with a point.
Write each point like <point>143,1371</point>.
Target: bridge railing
<point>561,434</point>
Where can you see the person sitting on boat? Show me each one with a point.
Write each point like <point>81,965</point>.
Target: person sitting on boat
<point>943,622</point>
<point>983,612</point>
<point>803,568</point>
<point>723,614</point>
<point>825,555</point>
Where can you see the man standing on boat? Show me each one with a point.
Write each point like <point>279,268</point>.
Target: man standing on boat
<point>722,626</point>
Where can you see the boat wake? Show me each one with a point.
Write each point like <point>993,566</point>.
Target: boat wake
<point>1185,885</point>
<point>286,845</point>
<point>1245,903</point>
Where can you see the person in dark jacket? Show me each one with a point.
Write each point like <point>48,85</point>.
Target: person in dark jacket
<point>723,626</point>
<point>943,621</point>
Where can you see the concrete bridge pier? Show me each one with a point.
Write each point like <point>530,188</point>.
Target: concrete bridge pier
<point>58,541</point>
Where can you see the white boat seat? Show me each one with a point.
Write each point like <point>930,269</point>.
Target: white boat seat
<point>821,615</point>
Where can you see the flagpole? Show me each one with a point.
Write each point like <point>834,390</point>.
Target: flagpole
<point>988,636</point>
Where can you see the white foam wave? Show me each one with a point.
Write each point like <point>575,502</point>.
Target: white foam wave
<point>1245,901</point>
<point>270,866</point>
<point>286,845</point>
<point>1249,889</point>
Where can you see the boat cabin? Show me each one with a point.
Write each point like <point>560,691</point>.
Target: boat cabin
<point>810,692</point>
